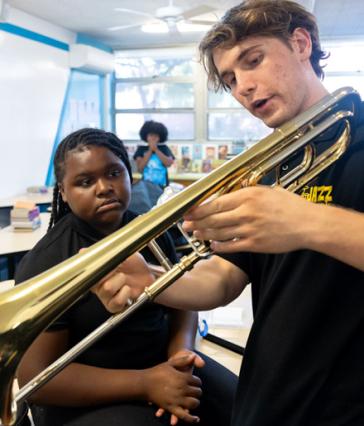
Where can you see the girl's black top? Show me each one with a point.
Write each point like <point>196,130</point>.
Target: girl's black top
<point>138,342</point>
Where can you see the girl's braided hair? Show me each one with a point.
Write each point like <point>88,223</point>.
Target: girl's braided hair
<point>78,140</point>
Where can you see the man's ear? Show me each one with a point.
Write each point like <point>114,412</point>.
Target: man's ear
<point>63,194</point>
<point>301,43</point>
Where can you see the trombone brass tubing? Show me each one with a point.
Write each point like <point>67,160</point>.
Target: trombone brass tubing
<point>29,308</point>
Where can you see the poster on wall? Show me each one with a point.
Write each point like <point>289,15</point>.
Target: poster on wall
<point>197,151</point>
<point>223,152</point>
<point>185,158</point>
<point>210,152</point>
<point>174,149</point>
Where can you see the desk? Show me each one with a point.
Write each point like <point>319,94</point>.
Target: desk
<point>43,200</point>
<point>13,243</point>
<point>35,197</point>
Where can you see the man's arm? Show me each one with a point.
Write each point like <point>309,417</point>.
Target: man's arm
<point>265,220</point>
<point>211,283</point>
<point>339,233</point>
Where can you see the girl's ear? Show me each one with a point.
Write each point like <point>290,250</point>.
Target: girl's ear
<point>62,192</point>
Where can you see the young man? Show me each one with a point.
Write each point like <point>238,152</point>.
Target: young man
<point>304,360</point>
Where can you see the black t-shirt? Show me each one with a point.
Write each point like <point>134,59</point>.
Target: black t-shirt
<point>304,359</point>
<point>155,171</point>
<point>138,342</point>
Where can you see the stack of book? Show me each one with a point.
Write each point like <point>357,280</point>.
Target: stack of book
<point>25,216</point>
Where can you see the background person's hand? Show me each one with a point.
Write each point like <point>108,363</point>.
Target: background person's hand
<point>153,145</point>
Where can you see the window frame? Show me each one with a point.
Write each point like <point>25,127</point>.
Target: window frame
<point>189,51</point>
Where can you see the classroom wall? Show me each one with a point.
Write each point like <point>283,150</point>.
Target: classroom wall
<point>33,82</point>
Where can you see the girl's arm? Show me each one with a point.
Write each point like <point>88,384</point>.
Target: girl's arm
<point>168,385</point>
<point>141,162</point>
<point>183,327</point>
<point>77,384</point>
<point>166,160</point>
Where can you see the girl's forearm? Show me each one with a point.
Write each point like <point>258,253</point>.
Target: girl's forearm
<point>82,385</point>
<point>166,160</point>
<point>183,326</point>
<point>142,161</point>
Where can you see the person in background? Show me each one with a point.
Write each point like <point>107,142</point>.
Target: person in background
<point>302,253</point>
<point>142,371</point>
<point>153,160</point>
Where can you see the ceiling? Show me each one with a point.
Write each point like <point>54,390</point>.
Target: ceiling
<point>336,18</point>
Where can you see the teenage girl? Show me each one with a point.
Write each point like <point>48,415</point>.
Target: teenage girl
<point>142,371</point>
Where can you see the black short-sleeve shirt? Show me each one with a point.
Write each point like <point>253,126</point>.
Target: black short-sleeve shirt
<point>138,342</point>
<point>304,359</point>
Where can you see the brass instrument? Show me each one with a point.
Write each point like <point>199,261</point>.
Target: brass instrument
<point>29,308</point>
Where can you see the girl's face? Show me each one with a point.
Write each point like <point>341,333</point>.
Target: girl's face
<point>152,138</point>
<point>96,186</point>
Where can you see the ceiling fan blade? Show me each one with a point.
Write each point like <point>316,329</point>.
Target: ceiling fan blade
<point>135,12</point>
<point>123,27</point>
<point>199,22</point>
<point>197,11</point>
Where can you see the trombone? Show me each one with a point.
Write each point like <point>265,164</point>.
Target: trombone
<point>30,307</point>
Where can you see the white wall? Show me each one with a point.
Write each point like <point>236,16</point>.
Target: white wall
<point>33,82</point>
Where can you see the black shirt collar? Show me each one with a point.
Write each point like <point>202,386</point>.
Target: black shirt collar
<point>92,234</point>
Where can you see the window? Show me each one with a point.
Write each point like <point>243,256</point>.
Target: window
<point>345,66</point>
<point>151,95</point>
<point>228,120</point>
<point>157,85</point>
<point>180,126</point>
<point>154,63</point>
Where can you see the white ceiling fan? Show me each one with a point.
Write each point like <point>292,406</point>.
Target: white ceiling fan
<point>169,18</point>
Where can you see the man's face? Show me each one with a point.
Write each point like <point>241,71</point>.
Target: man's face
<point>267,77</point>
<point>96,187</point>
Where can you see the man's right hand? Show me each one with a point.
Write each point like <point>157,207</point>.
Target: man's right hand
<point>127,281</point>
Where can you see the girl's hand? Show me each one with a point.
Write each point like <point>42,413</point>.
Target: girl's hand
<point>196,362</point>
<point>153,146</point>
<point>173,387</point>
